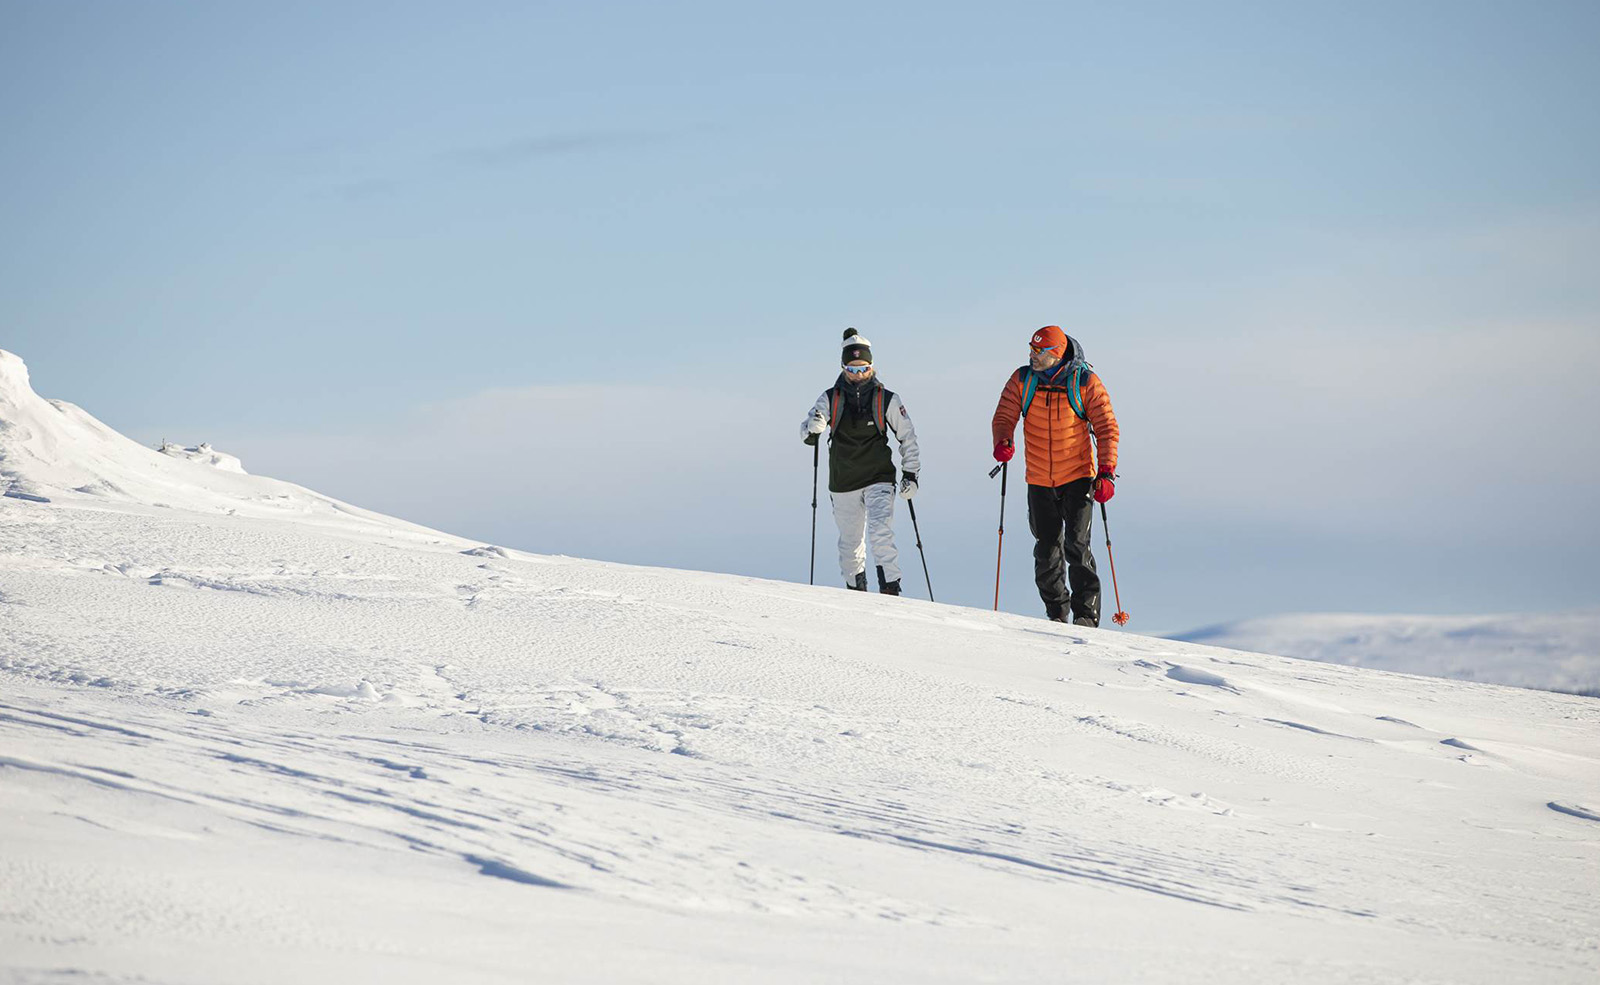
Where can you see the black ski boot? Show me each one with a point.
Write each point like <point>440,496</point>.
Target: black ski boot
<point>887,587</point>
<point>1055,612</point>
<point>860,584</point>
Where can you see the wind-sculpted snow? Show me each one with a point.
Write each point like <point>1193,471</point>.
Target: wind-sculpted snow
<point>247,748</point>
<point>53,451</point>
<point>205,455</point>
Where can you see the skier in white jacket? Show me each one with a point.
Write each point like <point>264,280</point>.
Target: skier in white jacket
<point>861,476</point>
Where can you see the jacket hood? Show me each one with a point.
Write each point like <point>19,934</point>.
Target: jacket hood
<point>1074,355</point>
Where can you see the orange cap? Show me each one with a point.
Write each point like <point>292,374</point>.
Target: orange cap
<point>1050,337</point>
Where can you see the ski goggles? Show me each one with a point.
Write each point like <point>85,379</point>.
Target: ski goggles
<point>858,370</point>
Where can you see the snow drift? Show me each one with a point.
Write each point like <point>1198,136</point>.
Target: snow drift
<point>204,454</point>
<point>51,449</point>
<point>249,734</point>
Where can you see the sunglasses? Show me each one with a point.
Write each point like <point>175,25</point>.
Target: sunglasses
<point>1041,349</point>
<point>857,370</point>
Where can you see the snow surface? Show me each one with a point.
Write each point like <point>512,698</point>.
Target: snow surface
<point>204,454</point>
<point>55,450</point>
<point>1555,651</point>
<point>250,734</point>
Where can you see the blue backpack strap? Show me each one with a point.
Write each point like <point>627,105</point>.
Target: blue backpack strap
<point>1077,374</point>
<point>1080,374</point>
<point>1030,381</point>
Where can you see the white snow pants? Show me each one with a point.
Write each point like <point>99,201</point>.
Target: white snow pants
<point>862,514</point>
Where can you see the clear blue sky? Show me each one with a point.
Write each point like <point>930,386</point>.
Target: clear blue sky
<point>1336,263</point>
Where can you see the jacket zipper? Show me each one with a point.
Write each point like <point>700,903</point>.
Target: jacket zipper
<point>1050,445</point>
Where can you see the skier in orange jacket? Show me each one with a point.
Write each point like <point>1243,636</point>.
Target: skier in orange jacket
<point>1070,448</point>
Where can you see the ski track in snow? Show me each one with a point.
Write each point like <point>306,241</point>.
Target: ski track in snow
<point>247,746</point>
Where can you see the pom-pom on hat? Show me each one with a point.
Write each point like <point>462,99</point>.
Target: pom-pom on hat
<point>856,347</point>
<point>1050,337</point>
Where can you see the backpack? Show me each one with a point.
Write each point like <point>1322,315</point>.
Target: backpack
<point>1077,373</point>
<point>880,406</point>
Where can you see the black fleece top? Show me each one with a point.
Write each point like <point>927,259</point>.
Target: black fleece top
<point>858,453</point>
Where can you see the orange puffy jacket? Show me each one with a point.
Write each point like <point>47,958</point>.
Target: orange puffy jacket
<point>1056,441</point>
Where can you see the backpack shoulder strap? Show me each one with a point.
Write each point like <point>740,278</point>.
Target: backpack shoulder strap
<point>880,409</point>
<point>1080,375</point>
<point>1029,381</point>
<point>835,407</point>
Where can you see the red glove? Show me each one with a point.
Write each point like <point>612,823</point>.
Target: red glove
<point>1003,451</point>
<point>1104,487</point>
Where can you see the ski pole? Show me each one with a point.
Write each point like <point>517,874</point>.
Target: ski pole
<point>816,459</point>
<point>1001,468</point>
<point>1121,618</point>
<point>913,508</point>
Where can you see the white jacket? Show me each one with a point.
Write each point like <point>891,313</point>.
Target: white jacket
<point>894,417</point>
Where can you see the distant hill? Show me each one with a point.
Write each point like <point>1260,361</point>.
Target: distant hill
<point>1551,651</point>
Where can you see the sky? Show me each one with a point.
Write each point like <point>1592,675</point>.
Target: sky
<point>566,277</point>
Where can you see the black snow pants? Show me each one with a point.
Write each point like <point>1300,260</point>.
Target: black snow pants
<point>1060,518</point>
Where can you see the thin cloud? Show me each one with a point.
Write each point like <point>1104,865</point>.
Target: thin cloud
<point>507,154</point>
<point>364,189</point>
<point>525,149</point>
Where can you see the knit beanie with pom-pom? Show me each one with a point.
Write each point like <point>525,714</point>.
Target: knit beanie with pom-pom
<point>856,347</point>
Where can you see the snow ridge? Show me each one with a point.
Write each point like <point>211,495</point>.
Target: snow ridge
<point>54,450</point>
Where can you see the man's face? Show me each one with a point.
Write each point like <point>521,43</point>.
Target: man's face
<point>1042,359</point>
<point>858,370</point>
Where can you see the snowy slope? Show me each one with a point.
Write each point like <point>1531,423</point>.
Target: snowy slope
<point>309,744</point>
<point>54,450</point>
<point>1558,651</point>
